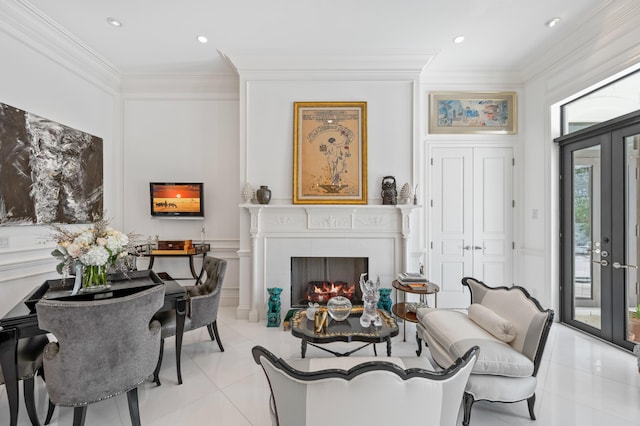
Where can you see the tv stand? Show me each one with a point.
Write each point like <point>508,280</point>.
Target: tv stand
<point>191,252</point>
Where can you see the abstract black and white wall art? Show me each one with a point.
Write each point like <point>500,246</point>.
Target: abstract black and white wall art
<point>49,172</point>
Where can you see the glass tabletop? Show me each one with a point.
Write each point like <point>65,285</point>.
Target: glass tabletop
<point>349,329</point>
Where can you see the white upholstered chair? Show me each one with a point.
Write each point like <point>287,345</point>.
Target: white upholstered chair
<point>510,328</point>
<point>364,390</point>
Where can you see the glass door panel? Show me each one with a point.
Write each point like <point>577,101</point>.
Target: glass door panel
<point>587,251</point>
<point>632,252</point>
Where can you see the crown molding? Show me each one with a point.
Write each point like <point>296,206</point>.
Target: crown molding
<point>337,64</point>
<point>473,79</point>
<point>204,86</point>
<point>28,25</point>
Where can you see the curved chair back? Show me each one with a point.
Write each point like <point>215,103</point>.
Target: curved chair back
<point>346,391</point>
<point>204,299</point>
<point>105,347</point>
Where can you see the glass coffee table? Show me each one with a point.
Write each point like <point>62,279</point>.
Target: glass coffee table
<point>348,330</point>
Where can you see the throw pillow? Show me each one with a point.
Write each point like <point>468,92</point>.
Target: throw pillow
<point>499,327</point>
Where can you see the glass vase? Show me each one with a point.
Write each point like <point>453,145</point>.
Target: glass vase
<point>94,277</point>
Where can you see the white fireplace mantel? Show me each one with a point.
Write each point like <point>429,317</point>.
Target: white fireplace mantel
<point>279,232</point>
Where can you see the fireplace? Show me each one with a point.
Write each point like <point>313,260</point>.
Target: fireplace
<point>317,279</point>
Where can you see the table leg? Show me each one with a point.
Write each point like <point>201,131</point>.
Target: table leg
<point>389,347</point>
<point>375,351</point>
<point>151,259</point>
<point>303,348</point>
<point>181,311</point>
<point>9,364</point>
<point>193,270</point>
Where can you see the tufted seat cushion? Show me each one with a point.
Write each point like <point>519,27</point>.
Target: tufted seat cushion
<point>452,333</point>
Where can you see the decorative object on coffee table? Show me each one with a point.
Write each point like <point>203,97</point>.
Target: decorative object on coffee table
<point>273,315</point>
<point>311,310</point>
<point>349,330</point>
<point>263,194</point>
<point>370,297</point>
<point>339,308</point>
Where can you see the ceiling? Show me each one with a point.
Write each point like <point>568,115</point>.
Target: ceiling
<point>159,36</point>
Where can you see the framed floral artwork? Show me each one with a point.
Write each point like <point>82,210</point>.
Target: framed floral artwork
<point>473,112</point>
<point>330,153</point>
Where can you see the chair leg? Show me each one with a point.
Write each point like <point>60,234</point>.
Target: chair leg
<point>50,411</point>
<point>134,410</point>
<point>531,402</point>
<point>419,341</point>
<point>29,400</point>
<point>79,415</point>
<point>468,402</point>
<point>156,372</point>
<point>213,332</point>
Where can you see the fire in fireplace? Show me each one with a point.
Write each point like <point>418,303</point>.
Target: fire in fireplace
<point>318,279</point>
<point>322,291</point>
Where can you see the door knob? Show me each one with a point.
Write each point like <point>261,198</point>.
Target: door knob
<point>478,248</point>
<point>466,248</point>
<point>603,262</point>
<point>618,265</point>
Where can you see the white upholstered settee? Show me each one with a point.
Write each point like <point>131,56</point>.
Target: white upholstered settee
<point>348,391</point>
<point>510,328</point>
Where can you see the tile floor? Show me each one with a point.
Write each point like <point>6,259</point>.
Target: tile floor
<point>582,381</point>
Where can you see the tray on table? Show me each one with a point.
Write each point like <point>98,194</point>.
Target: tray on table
<point>121,284</point>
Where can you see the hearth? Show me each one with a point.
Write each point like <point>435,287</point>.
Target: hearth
<point>318,279</point>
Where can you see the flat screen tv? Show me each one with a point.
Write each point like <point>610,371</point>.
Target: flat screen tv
<point>176,200</point>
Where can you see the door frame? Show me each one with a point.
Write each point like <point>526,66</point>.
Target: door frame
<point>613,328</point>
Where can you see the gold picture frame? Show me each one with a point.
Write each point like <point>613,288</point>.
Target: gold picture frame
<point>473,112</point>
<point>330,153</point>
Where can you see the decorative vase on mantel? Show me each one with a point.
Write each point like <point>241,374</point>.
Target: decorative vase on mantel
<point>263,194</point>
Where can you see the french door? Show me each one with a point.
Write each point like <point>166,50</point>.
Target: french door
<point>471,213</point>
<point>600,200</point>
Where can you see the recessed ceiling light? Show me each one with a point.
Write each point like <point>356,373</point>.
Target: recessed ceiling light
<point>552,22</point>
<point>458,39</point>
<point>114,22</point>
<point>202,39</point>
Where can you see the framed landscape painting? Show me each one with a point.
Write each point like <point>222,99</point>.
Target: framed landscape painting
<point>473,112</point>
<point>330,153</point>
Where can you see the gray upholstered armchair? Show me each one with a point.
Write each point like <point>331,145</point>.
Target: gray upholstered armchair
<point>364,390</point>
<point>104,348</point>
<point>202,308</point>
<point>29,365</point>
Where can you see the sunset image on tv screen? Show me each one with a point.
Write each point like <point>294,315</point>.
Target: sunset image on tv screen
<point>176,198</point>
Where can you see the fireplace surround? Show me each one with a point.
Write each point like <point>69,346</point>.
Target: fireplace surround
<point>278,233</point>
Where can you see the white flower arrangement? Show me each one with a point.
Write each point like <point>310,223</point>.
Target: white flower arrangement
<point>98,245</point>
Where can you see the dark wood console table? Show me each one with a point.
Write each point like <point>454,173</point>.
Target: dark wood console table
<point>197,250</point>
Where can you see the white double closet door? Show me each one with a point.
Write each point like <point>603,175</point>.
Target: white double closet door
<point>471,219</point>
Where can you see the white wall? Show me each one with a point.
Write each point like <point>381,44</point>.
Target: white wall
<point>174,132</point>
<point>47,80</point>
